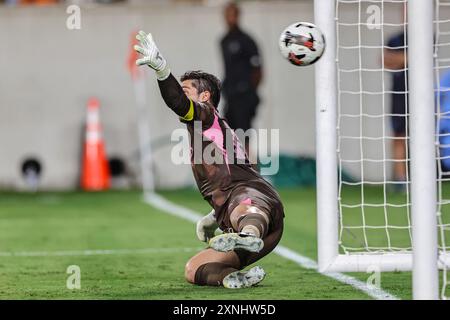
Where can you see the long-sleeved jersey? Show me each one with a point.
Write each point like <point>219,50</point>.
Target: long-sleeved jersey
<point>218,159</point>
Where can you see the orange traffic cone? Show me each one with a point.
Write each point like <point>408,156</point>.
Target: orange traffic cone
<point>95,170</point>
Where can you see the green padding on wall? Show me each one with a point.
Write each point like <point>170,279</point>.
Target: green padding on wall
<point>297,171</point>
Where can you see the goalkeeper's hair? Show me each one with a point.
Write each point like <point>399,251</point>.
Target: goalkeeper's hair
<point>203,81</point>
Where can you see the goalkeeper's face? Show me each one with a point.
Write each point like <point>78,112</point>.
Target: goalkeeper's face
<point>192,92</point>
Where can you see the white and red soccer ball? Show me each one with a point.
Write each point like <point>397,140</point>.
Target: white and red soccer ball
<point>302,43</point>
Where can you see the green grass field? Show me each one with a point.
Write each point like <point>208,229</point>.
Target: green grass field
<point>42,234</point>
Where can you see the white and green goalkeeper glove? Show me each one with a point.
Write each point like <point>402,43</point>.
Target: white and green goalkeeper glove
<point>206,227</point>
<point>151,55</point>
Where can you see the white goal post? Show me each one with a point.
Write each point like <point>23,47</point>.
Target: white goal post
<point>421,204</point>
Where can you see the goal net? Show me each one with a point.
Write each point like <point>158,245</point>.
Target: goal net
<point>374,221</point>
<point>375,205</point>
<point>442,85</point>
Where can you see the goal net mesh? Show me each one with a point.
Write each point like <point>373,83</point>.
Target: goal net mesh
<point>442,85</point>
<point>373,127</point>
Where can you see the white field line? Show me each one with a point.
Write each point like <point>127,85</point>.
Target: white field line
<point>165,205</point>
<point>95,252</point>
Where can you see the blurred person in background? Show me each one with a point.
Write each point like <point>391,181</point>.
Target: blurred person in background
<point>395,60</point>
<point>444,121</point>
<point>243,73</point>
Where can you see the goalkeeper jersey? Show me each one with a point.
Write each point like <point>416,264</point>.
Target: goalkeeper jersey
<point>218,159</point>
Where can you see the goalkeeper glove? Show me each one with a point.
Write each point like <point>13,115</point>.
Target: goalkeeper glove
<point>206,227</point>
<point>151,55</point>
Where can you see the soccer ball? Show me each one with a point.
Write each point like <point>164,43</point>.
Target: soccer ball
<point>302,43</point>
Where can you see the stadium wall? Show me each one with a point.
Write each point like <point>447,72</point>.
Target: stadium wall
<point>49,72</point>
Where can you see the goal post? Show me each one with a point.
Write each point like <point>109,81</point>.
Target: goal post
<point>389,232</point>
<point>423,160</point>
<point>327,179</point>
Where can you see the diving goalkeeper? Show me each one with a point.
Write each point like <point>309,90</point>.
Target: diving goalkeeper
<point>245,207</point>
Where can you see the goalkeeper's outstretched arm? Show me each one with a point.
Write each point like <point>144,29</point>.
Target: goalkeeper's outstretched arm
<point>171,91</point>
<point>175,98</point>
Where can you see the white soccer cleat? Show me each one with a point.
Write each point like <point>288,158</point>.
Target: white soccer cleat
<point>230,241</point>
<point>244,279</point>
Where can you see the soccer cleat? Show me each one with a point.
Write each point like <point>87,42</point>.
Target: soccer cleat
<point>230,241</point>
<point>244,279</point>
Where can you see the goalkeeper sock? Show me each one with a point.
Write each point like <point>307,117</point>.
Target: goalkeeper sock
<point>212,273</point>
<point>252,230</point>
<point>254,223</point>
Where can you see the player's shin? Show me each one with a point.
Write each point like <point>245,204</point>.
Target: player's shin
<point>251,224</point>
